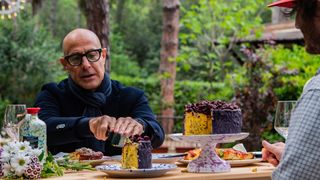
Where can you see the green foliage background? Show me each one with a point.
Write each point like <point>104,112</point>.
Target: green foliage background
<point>207,69</point>
<point>28,55</point>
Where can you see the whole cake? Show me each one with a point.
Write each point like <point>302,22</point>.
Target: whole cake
<point>212,117</point>
<point>136,153</point>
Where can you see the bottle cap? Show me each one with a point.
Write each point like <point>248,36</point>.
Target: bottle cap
<point>33,110</point>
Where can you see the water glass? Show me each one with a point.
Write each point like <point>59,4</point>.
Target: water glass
<point>13,116</point>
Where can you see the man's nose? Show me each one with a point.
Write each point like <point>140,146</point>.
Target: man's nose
<point>85,62</point>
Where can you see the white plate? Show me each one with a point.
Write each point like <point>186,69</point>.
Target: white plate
<point>233,163</point>
<point>60,158</point>
<point>209,138</point>
<point>96,162</point>
<point>244,162</point>
<point>156,158</point>
<point>115,170</point>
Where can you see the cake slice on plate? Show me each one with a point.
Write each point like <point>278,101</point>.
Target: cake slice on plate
<point>136,153</point>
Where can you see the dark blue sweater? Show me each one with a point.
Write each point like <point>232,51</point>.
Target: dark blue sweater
<point>68,129</point>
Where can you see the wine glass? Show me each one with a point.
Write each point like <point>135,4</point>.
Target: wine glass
<point>13,115</point>
<point>283,116</point>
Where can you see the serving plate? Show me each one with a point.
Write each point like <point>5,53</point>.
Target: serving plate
<point>115,170</point>
<point>63,157</point>
<point>233,163</point>
<point>96,162</point>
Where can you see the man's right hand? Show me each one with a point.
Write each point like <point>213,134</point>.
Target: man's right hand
<point>101,125</point>
<point>272,152</point>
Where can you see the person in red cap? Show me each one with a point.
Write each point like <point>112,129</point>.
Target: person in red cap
<point>299,158</point>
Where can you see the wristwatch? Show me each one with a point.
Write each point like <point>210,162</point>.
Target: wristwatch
<point>142,122</point>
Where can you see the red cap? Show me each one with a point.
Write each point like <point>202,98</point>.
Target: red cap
<point>33,110</point>
<point>283,3</point>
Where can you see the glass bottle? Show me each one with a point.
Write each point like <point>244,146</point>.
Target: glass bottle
<point>34,130</point>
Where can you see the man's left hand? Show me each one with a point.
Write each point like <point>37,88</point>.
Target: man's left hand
<point>128,126</point>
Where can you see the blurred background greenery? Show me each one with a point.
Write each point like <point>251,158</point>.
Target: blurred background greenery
<point>30,46</point>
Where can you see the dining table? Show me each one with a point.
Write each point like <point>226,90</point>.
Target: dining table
<point>256,171</point>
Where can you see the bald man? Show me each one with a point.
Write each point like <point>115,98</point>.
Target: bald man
<point>83,109</point>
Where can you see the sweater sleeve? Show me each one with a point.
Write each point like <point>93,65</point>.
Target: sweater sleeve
<point>141,110</point>
<point>60,130</point>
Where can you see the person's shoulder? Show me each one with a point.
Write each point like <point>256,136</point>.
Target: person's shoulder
<point>54,87</point>
<point>312,84</point>
<point>121,89</point>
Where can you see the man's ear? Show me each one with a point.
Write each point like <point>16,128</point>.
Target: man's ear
<point>104,53</point>
<point>64,63</point>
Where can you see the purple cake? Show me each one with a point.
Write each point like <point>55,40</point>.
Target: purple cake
<point>144,153</point>
<point>212,117</point>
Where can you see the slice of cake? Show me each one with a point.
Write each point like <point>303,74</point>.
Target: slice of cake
<point>85,154</point>
<point>197,119</point>
<point>136,153</point>
<point>212,117</point>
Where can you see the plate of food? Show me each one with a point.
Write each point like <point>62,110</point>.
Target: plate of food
<point>231,155</point>
<point>166,158</point>
<point>83,155</point>
<point>115,170</point>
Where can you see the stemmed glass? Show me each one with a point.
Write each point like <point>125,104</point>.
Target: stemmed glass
<point>13,115</point>
<point>283,115</point>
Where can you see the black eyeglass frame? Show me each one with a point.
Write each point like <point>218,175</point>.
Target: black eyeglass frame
<point>83,54</point>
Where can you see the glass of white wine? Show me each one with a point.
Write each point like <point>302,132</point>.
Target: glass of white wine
<point>13,116</point>
<point>283,116</point>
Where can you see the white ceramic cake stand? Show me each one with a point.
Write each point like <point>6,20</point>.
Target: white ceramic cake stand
<point>209,161</point>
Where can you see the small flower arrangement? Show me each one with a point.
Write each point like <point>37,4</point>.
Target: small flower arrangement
<point>18,159</point>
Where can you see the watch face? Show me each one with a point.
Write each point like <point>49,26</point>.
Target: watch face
<point>141,122</point>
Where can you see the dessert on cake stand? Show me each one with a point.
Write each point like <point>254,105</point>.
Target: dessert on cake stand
<point>209,161</point>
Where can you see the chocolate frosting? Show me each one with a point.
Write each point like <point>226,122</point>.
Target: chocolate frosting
<point>206,107</point>
<point>145,156</point>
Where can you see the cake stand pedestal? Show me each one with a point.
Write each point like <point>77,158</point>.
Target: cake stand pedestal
<point>209,161</point>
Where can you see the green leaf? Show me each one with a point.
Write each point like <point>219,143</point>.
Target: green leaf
<point>41,156</point>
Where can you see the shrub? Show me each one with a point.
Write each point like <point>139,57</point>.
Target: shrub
<point>28,59</point>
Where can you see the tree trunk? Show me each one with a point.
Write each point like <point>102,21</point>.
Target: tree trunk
<point>36,6</point>
<point>97,16</point>
<point>169,51</point>
<point>119,13</point>
<point>53,16</point>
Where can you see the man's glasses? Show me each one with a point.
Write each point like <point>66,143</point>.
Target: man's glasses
<point>76,59</point>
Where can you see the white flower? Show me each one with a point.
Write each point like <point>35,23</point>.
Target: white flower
<point>19,163</point>
<point>36,152</point>
<point>16,156</point>
<point>23,146</point>
<point>12,144</point>
<point>5,156</point>
<point>6,169</point>
<point>9,148</point>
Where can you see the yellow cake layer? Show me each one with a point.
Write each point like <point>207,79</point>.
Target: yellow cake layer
<point>197,123</point>
<point>129,158</point>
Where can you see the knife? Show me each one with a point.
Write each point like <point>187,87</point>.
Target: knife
<point>257,154</point>
<point>173,156</point>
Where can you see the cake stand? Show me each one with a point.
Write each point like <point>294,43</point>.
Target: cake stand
<point>209,161</point>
